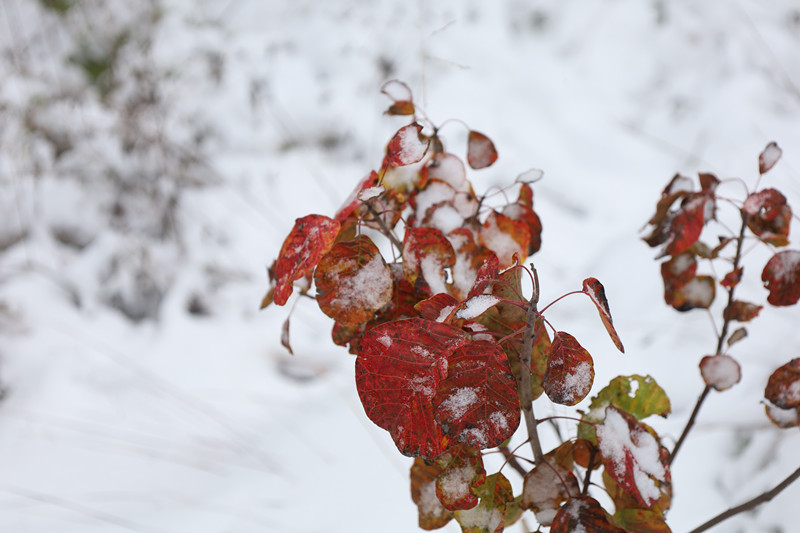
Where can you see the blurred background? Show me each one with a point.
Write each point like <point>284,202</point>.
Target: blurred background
<point>154,154</point>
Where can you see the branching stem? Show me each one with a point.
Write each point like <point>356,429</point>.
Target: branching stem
<point>750,504</point>
<point>525,395</point>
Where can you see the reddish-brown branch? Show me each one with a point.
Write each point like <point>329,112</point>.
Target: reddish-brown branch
<point>750,504</point>
<point>525,394</point>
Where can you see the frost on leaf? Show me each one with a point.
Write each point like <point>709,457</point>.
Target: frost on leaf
<point>545,488</point>
<point>432,514</point>
<point>426,254</point>
<point>769,216</point>
<point>398,370</point>
<point>633,457</point>
<point>570,370</point>
<point>481,152</point>
<point>597,293</point>
<point>353,282</point>
<point>489,515</point>
<point>683,290</point>
<point>311,238</point>
<point>720,371</point>
<point>462,469</point>
<point>768,158</point>
<point>506,237</point>
<point>783,386</point>
<point>741,311</point>
<point>583,515</point>
<point>407,146</point>
<point>477,404</point>
<point>781,277</point>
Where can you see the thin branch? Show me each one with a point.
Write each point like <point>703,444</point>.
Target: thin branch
<point>750,504</point>
<point>384,228</point>
<point>588,477</point>
<point>689,423</point>
<point>511,459</point>
<point>525,395</point>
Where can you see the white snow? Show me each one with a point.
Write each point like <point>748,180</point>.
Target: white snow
<point>769,156</point>
<point>476,306</point>
<point>721,371</point>
<point>369,193</point>
<point>578,383</point>
<point>462,400</point>
<point>454,483</point>
<point>370,288</point>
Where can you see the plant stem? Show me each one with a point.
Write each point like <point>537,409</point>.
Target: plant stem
<point>512,461</point>
<point>720,340</point>
<point>525,395</point>
<point>384,228</point>
<point>750,504</point>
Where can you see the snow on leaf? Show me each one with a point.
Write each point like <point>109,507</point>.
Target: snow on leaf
<point>781,277</point>
<point>633,456</point>
<point>767,159</point>
<point>353,281</point>
<point>720,371</point>
<point>398,369</point>
<point>698,293</point>
<point>462,470</point>
<point>354,200</point>
<point>597,293</point>
<point>438,307</point>
<point>481,152</point>
<point>489,515</point>
<point>520,211</point>
<point>570,370</point>
<point>545,488</point>
<point>506,237</point>
<point>471,261</point>
<point>432,515</point>
<point>426,254</point>
<point>477,404</point>
<point>783,418</point>
<point>450,169</point>
<point>769,216</point>
<point>741,311</point>
<point>310,239</point>
<point>583,514</point>
<point>407,146</point>
<point>488,273</point>
<point>476,306</point>
<point>783,386</point>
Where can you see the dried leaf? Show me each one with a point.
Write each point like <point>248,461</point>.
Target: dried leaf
<point>720,371</point>
<point>398,371</point>
<point>736,336</point>
<point>783,386</point>
<point>353,281</point>
<point>311,238</point>
<point>597,293</point>
<point>582,514</point>
<point>769,216</point>
<point>570,371</point>
<point>741,311</point>
<point>432,514</point>
<point>489,515</point>
<point>767,159</point>
<point>732,278</point>
<point>285,336</point>
<point>477,404</point>
<point>407,146</point>
<point>462,470</point>
<point>642,520</point>
<point>545,488</point>
<point>781,277</point>
<point>481,152</point>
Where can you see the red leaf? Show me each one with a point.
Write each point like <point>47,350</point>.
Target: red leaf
<point>687,225</point>
<point>633,457</point>
<point>768,158</point>
<point>477,404</point>
<point>407,146</point>
<point>732,278</point>
<point>708,181</point>
<point>769,216</point>
<point>597,293</point>
<point>438,307</point>
<point>582,514</point>
<point>353,281</point>
<point>520,211</point>
<point>679,187</point>
<point>570,370</point>
<point>488,273</point>
<point>461,472</point>
<point>285,336</point>
<point>353,201</point>
<point>506,237</point>
<point>783,387</point>
<point>741,311</point>
<point>781,277</point>
<point>720,371</point>
<point>311,238</point>
<point>398,370</point>
<point>481,152</point>
<point>426,253</point>
<point>471,258</point>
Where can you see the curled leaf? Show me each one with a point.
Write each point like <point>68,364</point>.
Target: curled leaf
<point>570,370</point>
<point>768,158</point>
<point>481,152</point>
<point>597,293</point>
<point>781,277</point>
<point>741,311</point>
<point>769,216</point>
<point>407,146</point>
<point>583,513</point>
<point>310,239</point>
<point>783,386</point>
<point>426,254</point>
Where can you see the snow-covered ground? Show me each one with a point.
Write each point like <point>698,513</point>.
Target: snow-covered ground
<point>153,155</point>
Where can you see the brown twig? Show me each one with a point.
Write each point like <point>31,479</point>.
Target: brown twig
<point>750,504</point>
<point>525,395</point>
<point>512,461</point>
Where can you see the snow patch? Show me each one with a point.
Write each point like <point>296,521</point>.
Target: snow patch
<point>460,401</point>
<point>476,306</point>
